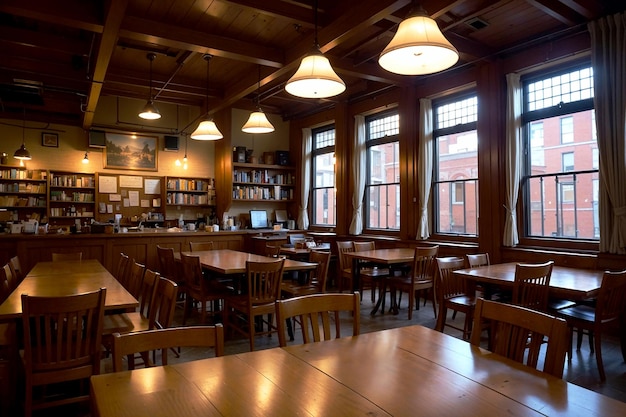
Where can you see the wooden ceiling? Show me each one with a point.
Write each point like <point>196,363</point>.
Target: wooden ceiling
<point>60,58</point>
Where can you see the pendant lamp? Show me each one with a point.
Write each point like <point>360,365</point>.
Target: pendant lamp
<point>418,47</point>
<point>315,78</point>
<point>149,111</point>
<point>257,122</point>
<point>22,153</point>
<point>207,130</point>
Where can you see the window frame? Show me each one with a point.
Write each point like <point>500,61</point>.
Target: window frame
<point>369,143</point>
<point>454,182</point>
<point>315,152</point>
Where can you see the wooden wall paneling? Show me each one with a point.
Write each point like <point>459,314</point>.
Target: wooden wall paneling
<point>409,143</point>
<point>137,248</point>
<point>344,149</point>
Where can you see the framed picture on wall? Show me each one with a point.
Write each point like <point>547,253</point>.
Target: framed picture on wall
<point>50,139</point>
<point>127,151</point>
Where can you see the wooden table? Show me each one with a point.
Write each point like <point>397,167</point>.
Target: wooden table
<point>386,258</point>
<point>65,278</point>
<point>300,253</point>
<point>227,261</point>
<point>569,283</point>
<point>398,372</point>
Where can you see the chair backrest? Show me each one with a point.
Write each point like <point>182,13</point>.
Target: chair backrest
<point>122,269</point>
<point>314,312</point>
<point>272,251</point>
<point>424,263</point>
<point>11,282</point>
<point>264,280</point>
<point>361,246</point>
<point>474,260</point>
<point>320,275</point>
<point>612,297</point>
<point>192,273</point>
<point>16,268</point>
<point>67,256</point>
<point>161,312</point>
<point>198,246</point>
<point>343,247</point>
<point>191,336</point>
<point>4,284</point>
<point>532,285</point>
<point>62,333</point>
<point>167,263</point>
<point>518,333</point>
<point>448,284</point>
<point>134,273</point>
<point>146,291</point>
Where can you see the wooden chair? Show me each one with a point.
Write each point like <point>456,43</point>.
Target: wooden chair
<point>198,246</point>
<point>4,284</point>
<point>263,289</point>
<point>474,260</point>
<point>314,314</point>
<point>370,276</point>
<point>345,265</point>
<point>532,285</point>
<point>122,269</point>
<point>201,290</point>
<point>16,269</point>
<point>67,256</point>
<point>609,307</point>
<point>272,251</point>
<point>518,333</point>
<point>316,283</point>
<point>62,342</point>
<point>193,336</point>
<point>9,279</point>
<point>170,268</point>
<point>452,294</point>
<point>134,277</point>
<point>419,278</point>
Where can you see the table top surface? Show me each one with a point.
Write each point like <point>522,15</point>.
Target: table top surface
<point>398,372</point>
<point>51,279</point>
<point>573,283</point>
<point>385,256</point>
<point>227,261</point>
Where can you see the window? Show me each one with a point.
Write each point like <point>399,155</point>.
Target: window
<point>560,171</point>
<point>455,185</point>
<point>382,187</point>
<point>324,205</point>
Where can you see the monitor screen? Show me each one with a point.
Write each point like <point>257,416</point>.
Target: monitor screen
<point>258,219</point>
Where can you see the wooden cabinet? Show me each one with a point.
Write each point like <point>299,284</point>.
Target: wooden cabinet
<point>260,182</point>
<point>23,192</point>
<point>72,196</point>
<point>184,191</point>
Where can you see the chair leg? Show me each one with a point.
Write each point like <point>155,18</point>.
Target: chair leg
<point>411,295</point>
<point>598,346</point>
<point>251,331</point>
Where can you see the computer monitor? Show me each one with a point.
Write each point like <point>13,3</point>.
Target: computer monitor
<point>258,219</point>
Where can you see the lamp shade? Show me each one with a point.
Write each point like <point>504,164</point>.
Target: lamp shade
<point>315,78</point>
<point>257,123</point>
<point>150,112</point>
<point>207,130</point>
<point>22,153</point>
<point>418,48</point>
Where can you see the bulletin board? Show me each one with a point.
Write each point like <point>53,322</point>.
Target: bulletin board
<point>128,196</point>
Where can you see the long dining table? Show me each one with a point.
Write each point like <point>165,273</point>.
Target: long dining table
<point>389,258</point>
<point>406,371</point>
<point>51,279</point>
<point>565,282</point>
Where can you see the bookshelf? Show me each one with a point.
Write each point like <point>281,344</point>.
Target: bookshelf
<point>72,196</point>
<point>261,182</point>
<point>23,193</point>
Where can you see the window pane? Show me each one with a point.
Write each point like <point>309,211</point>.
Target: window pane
<point>565,88</point>
<point>457,209</point>
<point>457,113</point>
<point>384,126</point>
<point>324,204</point>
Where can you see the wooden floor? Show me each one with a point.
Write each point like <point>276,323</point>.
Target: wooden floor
<point>581,371</point>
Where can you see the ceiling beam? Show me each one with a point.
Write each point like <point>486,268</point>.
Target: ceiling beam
<point>557,10</point>
<point>298,13</point>
<point>75,14</point>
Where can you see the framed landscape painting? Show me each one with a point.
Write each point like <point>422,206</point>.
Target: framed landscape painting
<point>127,151</point>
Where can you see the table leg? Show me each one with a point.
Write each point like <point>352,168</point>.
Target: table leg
<point>382,287</point>
<point>355,274</point>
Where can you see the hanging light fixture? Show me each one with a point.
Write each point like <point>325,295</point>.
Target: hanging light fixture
<point>257,122</point>
<point>315,78</point>
<point>207,129</point>
<point>22,153</point>
<point>86,159</point>
<point>149,111</point>
<point>185,157</point>
<point>418,47</point>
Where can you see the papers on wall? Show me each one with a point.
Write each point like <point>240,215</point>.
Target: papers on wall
<point>131,181</point>
<point>107,185</point>
<point>152,186</point>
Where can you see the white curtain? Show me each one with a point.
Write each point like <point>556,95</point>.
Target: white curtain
<point>358,175</point>
<point>425,165</point>
<point>307,148</point>
<point>608,57</point>
<point>512,157</point>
